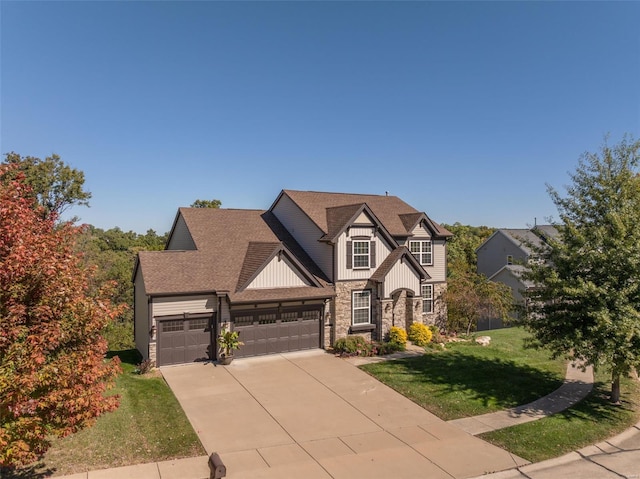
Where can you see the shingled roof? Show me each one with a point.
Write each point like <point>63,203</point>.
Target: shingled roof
<point>327,210</point>
<point>231,245</point>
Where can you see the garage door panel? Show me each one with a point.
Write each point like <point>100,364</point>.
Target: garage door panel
<point>183,340</point>
<point>271,332</point>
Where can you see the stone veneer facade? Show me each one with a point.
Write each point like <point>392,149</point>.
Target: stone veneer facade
<point>401,310</point>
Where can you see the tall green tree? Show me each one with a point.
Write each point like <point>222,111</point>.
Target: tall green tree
<point>586,304</point>
<point>206,204</point>
<point>55,186</point>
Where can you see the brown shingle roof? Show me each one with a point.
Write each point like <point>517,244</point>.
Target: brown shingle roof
<point>389,210</point>
<point>232,245</point>
<point>392,259</point>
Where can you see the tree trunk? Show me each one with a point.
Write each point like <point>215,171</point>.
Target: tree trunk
<point>615,388</point>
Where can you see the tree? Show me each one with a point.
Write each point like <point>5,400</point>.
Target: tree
<point>471,296</point>
<point>206,204</point>
<point>54,185</point>
<point>52,368</point>
<point>586,303</point>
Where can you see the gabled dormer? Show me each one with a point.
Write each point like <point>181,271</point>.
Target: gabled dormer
<point>272,265</point>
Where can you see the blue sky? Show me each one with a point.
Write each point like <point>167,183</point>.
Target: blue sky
<point>464,110</point>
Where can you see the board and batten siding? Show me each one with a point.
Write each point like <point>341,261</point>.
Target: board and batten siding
<point>173,305</point>
<point>305,232</point>
<point>438,271</point>
<point>279,273</point>
<point>382,251</point>
<point>141,316</point>
<point>180,237</point>
<point>401,276</point>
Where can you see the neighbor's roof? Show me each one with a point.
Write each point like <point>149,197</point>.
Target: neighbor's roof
<point>232,245</point>
<point>330,211</point>
<point>517,271</point>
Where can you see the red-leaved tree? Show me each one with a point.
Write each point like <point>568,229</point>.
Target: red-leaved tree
<point>53,372</point>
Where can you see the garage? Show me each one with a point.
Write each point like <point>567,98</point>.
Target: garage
<point>271,331</point>
<point>183,340</point>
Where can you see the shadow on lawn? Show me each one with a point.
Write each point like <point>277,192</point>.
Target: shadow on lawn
<point>497,381</point>
<point>36,471</point>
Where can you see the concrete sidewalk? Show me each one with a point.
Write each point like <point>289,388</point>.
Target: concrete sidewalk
<point>577,385</point>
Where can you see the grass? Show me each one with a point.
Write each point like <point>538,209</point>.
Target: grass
<point>468,379</point>
<point>148,426</point>
<point>590,421</point>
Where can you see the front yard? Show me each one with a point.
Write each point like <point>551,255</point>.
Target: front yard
<point>148,426</point>
<point>468,379</point>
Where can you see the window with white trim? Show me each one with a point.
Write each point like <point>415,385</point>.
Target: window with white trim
<point>421,250</point>
<point>427,298</point>
<point>360,251</point>
<point>361,307</point>
<point>509,259</point>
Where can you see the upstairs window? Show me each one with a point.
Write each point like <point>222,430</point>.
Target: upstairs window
<point>361,307</point>
<point>427,298</point>
<point>361,253</point>
<point>421,250</point>
<point>509,259</point>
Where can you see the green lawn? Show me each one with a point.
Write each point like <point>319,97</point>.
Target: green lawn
<point>590,421</point>
<point>148,426</point>
<point>467,379</point>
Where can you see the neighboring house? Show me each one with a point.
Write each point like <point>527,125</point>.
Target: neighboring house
<point>504,255</point>
<point>313,268</point>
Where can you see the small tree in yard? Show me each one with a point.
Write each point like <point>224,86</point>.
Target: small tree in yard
<point>586,304</point>
<point>52,368</point>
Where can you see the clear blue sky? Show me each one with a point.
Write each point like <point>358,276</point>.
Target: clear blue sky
<point>464,110</point>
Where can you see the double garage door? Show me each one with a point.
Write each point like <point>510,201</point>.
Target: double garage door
<point>277,331</point>
<point>185,340</point>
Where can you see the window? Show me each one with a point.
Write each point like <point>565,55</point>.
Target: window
<point>427,298</point>
<point>509,259</point>
<point>360,254</point>
<point>421,250</point>
<point>361,307</point>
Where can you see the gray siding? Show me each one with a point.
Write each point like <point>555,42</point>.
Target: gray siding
<point>401,276</point>
<point>279,273</point>
<point>517,286</point>
<point>180,237</point>
<point>492,255</point>
<point>305,232</point>
<point>141,316</point>
<point>169,306</point>
<point>382,251</point>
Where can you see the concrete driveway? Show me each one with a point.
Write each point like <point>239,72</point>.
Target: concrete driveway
<point>312,415</point>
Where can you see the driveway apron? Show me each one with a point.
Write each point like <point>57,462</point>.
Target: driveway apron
<point>314,415</point>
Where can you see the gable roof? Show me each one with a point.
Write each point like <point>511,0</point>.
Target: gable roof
<point>232,245</point>
<point>389,210</point>
<point>395,256</point>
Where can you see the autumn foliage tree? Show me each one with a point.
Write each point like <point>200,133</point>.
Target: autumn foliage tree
<point>53,372</point>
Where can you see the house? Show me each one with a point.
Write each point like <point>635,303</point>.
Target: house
<point>312,268</point>
<point>504,255</point>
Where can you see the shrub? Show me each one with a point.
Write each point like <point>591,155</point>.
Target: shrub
<point>398,336</point>
<point>436,335</point>
<point>420,334</point>
<point>389,348</point>
<point>144,367</point>
<point>354,345</point>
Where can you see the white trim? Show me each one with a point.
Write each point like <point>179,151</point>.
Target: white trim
<point>426,291</point>
<point>366,293</point>
<point>360,255</point>
<point>425,253</point>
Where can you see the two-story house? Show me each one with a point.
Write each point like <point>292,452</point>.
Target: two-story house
<point>312,268</point>
<point>503,257</point>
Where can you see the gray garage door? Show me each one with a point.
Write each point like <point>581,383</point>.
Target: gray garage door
<point>277,331</point>
<point>183,340</point>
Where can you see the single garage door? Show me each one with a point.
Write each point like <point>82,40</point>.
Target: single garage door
<point>183,340</point>
<point>277,331</point>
